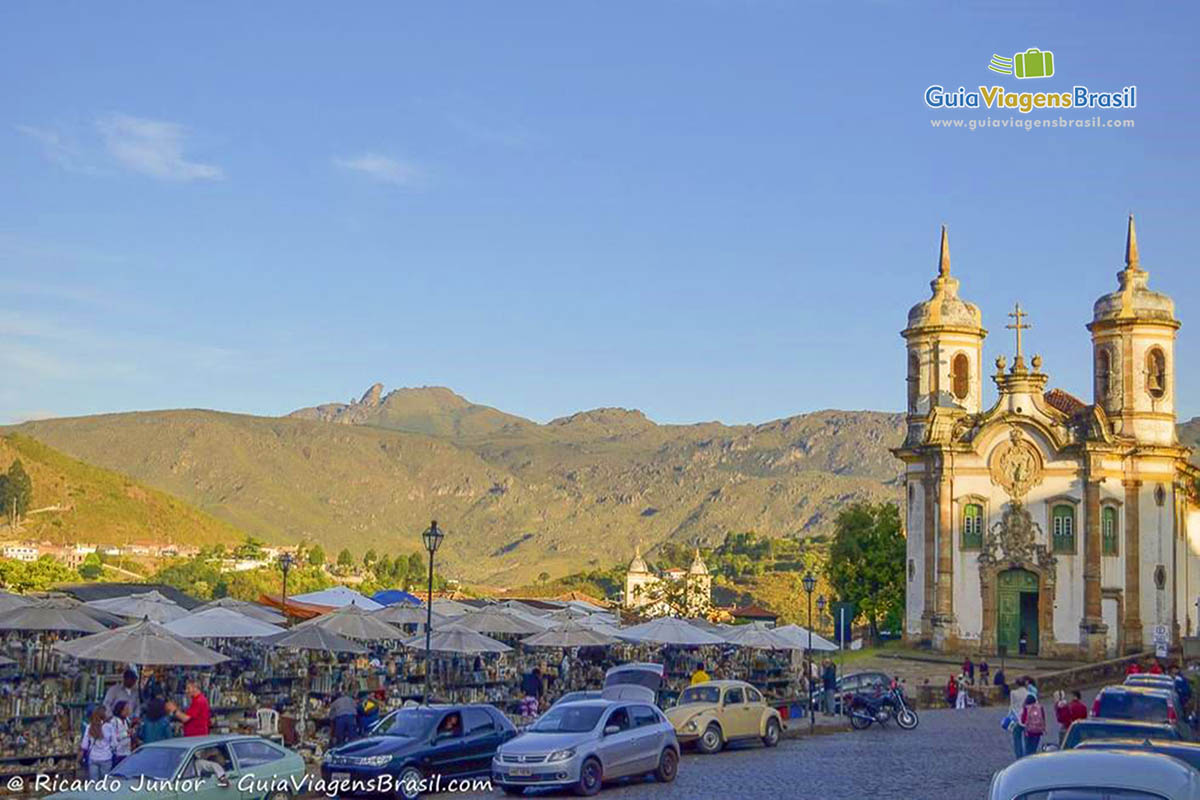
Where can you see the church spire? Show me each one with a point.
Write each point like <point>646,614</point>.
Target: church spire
<point>944,255</point>
<point>1131,247</point>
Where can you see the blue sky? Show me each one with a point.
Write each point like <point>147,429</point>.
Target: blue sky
<point>705,210</point>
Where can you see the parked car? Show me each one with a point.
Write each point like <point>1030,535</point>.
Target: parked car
<point>411,746</point>
<point>1096,775</point>
<point>1164,682</point>
<point>1086,730</point>
<point>1188,752</point>
<point>581,745</point>
<point>713,713</point>
<point>867,683</point>
<point>1140,703</point>
<point>220,766</point>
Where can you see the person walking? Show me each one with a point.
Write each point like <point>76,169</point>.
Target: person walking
<point>1077,709</point>
<point>156,723</point>
<point>122,738</point>
<point>829,684</point>
<point>1062,713</point>
<point>952,692</point>
<point>96,749</point>
<point>1033,720</point>
<point>968,669</point>
<point>963,698</point>
<point>1016,704</point>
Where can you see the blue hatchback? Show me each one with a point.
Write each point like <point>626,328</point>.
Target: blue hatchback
<point>415,750</point>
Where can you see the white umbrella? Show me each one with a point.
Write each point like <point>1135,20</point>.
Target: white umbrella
<point>246,608</point>
<point>498,620</point>
<point>457,639</point>
<point>569,634</point>
<point>51,615</point>
<point>798,635</point>
<point>451,608</point>
<point>407,615</point>
<point>314,638</point>
<point>144,642</point>
<point>150,605</point>
<point>220,623</point>
<point>354,623</point>
<point>759,638</point>
<point>337,597</point>
<point>670,630</point>
<point>9,601</point>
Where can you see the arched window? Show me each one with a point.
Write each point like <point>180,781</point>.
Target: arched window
<point>1063,528</point>
<point>1103,374</point>
<point>1156,373</point>
<point>972,526</point>
<point>1108,531</point>
<point>960,371</point>
<point>914,380</point>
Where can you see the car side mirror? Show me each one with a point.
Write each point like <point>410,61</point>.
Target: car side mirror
<point>609,730</point>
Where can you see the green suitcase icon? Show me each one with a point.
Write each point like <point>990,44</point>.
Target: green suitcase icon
<point>1034,63</point>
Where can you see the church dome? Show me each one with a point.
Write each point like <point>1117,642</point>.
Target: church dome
<point>698,566</point>
<point>1133,299</point>
<point>638,565</point>
<point>944,307</point>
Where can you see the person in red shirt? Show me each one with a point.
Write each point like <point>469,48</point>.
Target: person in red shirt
<point>1077,707</point>
<point>196,720</point>
<point>1133,668</point>
<point>1156,668</point>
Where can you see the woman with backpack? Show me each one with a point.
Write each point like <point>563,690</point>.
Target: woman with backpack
<point>1033,720</point>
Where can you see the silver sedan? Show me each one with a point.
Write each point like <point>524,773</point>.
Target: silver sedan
<point>1096,774</point>
<point>583,744</point>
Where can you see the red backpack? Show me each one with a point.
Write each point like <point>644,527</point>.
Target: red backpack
<point>1035,720</point>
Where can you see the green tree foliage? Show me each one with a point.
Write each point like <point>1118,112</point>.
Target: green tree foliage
<point>866,560</point>
<point>34,576</point>
<point>16,492</point>
<point>370,557</point>
<point>197,576</point>
<point>416,566</point>
<point>316,556</point>
<point>251,584</point>
<point>250,549</point>
<point>543,577</point>
<point>344,559</point>
<point>92,567</point>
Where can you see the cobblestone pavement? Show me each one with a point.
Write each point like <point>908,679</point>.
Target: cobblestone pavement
<point>950,756</point>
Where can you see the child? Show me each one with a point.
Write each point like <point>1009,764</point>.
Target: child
<point>1033,720</point>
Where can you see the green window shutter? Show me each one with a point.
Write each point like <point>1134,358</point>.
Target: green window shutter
<point>1108,531</point>
<point>972,526</point>
<point>1063,530</point>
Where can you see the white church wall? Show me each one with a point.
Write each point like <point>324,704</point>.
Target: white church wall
<point>915,532</point>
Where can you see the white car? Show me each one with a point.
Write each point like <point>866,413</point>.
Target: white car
<point>1096,775</point>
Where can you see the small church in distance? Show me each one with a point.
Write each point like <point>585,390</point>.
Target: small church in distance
<point>1046,523</point>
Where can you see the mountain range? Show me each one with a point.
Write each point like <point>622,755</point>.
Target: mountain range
<point>516,497</point>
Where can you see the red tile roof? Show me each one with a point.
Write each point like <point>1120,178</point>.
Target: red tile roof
<point>753,612</point>
<point>1065,401</point>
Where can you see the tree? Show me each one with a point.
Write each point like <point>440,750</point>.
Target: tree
<point>316,556</point>
<point>866,560</point>
<point>35,576</point>
<point>16,492</point>
<point>344,559</point>
<point>543,577</point>
<point>416,566</point>
<point>249,550</point>
<point>92,566</point>
<point>370,557</point>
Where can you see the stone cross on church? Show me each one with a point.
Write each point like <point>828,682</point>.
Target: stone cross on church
<point>1017,314</point>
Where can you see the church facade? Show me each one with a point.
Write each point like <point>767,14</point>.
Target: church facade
<point>1047,524</point>
<point>675,590</point>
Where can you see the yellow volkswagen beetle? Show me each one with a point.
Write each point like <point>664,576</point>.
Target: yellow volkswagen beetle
<point>715,712</point>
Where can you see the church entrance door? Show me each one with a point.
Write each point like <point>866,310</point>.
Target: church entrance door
<point>1017,611</point>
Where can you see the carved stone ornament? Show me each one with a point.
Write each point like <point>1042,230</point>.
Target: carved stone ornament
<point>1015,539</point>
<point>1016,465</point>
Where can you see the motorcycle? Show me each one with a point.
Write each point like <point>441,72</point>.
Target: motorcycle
<point>866,711</point>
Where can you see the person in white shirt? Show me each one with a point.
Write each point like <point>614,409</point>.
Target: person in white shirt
<point>97,745</point>
<point>1016,700</point>
<point>126,690</point>
<point>121,737</point>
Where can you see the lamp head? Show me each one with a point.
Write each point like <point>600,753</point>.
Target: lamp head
<point>810,583</point>
<point>821,603</point>
<point>432,537</point>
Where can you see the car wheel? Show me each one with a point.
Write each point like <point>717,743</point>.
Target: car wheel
<point>711,741</point>
<point>590,778</point>
<point>771,737</point>
<point>408,783</point>
<point>668,766</point>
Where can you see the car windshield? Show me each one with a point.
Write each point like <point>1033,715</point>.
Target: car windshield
<point>1133,705</point>
<point>152,762</point>
<point>568,719</point>
<point>410,722</point>
<point>699,694</point>
<point>1081,732</point>
<point>1091,793</point>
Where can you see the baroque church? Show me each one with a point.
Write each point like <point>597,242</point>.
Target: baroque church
<point>1047,524</point>
<point>648,592</point>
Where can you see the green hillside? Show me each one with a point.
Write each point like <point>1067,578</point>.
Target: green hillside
<point>77,502</point>
<point>517,497</point>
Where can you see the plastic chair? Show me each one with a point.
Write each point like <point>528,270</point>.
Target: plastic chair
<point>268,723</point>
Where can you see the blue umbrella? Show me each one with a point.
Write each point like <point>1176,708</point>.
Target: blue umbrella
<point>391,597</point>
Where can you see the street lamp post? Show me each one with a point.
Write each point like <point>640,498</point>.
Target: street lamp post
<point>285,565</point>
<point>810,583</point>
<point>433,539</point>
